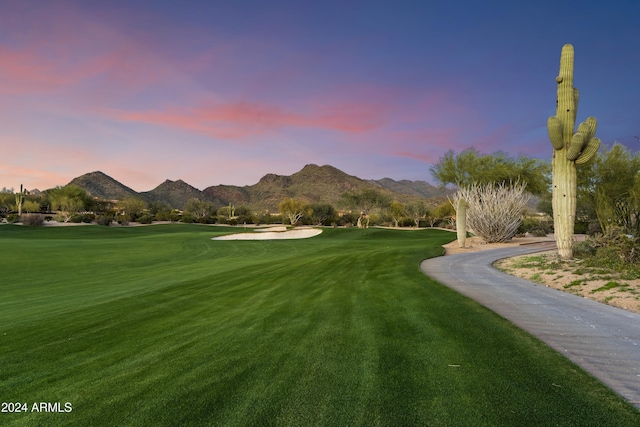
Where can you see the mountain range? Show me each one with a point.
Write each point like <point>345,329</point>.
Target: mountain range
<point>313,183</point>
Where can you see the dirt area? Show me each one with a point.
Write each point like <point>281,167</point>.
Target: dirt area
<point>609,287</point>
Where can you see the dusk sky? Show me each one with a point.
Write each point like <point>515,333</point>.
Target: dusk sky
<point>224,92</point>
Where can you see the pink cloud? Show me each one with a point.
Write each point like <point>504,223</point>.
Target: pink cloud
<point>241,119</point>
<point>31,177</point>
<point>52,47</point>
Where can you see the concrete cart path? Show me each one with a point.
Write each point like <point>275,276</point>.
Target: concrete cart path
<point>603,340</point>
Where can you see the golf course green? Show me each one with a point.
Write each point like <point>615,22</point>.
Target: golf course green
<point>162,326</point>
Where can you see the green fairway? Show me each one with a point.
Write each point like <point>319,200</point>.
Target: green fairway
<point>162,326</point>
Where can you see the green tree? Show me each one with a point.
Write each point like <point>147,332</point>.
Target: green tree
<point>613,188</point>
<point>397,211</point>
<point>6,200</point>
<point>470,167</point>
<point>364,202</point>
<point>293,209</point>
<point>68,200</point>
<point>417,211</point>
<point>201,210</point>
<point>131,208</point>
<point>227,213</point>
<point>323,213</point>
<point>243,215</point>
<point>31,206</point>
<point>444,211</point>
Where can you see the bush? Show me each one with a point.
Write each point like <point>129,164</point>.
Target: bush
<point>104,220</point>
<point>584,249</point>
<point>581,227</point>
<point>407,222</point>
<point>13,218</point>
<point>88,218</point>
<point>146,219</point>
<point>32,220</point>
<point>538,232</point>
<point>494,211</point>
<point>187,218</point>
<point>594,228</point>
<point>528,224</point>
<point>611,248</point>
<point>348,219</point>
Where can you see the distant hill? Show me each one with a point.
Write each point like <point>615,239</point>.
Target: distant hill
<point>313,183</point>
<point>102,186</point>
<point>175,194</point>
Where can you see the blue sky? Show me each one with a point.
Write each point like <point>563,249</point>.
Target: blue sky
<point>224,92</point>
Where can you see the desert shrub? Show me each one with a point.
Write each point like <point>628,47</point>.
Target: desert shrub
<point>407,222</point>
<point>594,228</point>
<point>608,257</point>
<point>88,218</point>
<point>187,218</point>
<point>494,211</point>
<point>528,224</point>
<point>613,248</point>
<point>538,232</point>
<point>242,219</point>
<point>629,250</point>
<point>348,219</point>
<point>48,218</point>
<point>163,215</point>
<point>172,216</point>
<point>104,220</point>
<point>32,220</point>
<point>583,249</point>
<point>13,218</point>
<point>146,219</point>
<point>446,224</point>
<point>581,227</point>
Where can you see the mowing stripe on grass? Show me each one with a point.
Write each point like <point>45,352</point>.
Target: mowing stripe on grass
<point>170,328</point>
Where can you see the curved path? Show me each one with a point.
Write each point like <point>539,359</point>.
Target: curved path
<point>603,340</point>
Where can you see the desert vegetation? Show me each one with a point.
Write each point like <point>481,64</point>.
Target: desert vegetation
<point>161,325</point>
<point>605,267</point>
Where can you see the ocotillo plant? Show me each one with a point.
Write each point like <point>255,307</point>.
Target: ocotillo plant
<point>569,149</point>
<point>20,200</point>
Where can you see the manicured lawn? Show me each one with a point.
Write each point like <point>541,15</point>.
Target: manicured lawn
<point>162,326</point>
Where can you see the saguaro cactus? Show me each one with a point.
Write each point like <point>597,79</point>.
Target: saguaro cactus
<point>20,200</point>
<point>569,149</point>
<point>461,221</point>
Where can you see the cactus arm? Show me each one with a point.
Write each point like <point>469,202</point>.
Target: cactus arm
<point>554,126</point>
<point>588,128</point>
<point>566,106</point>
<point>575,146</point>
<point>589,151</point>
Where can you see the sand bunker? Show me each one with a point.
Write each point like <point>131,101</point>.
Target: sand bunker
<point>272,233</point>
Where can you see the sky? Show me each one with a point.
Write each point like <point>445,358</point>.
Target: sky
<point>224,92</point>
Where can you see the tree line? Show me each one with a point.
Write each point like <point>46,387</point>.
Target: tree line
<point>608,196</point>
<point>363,208</point>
